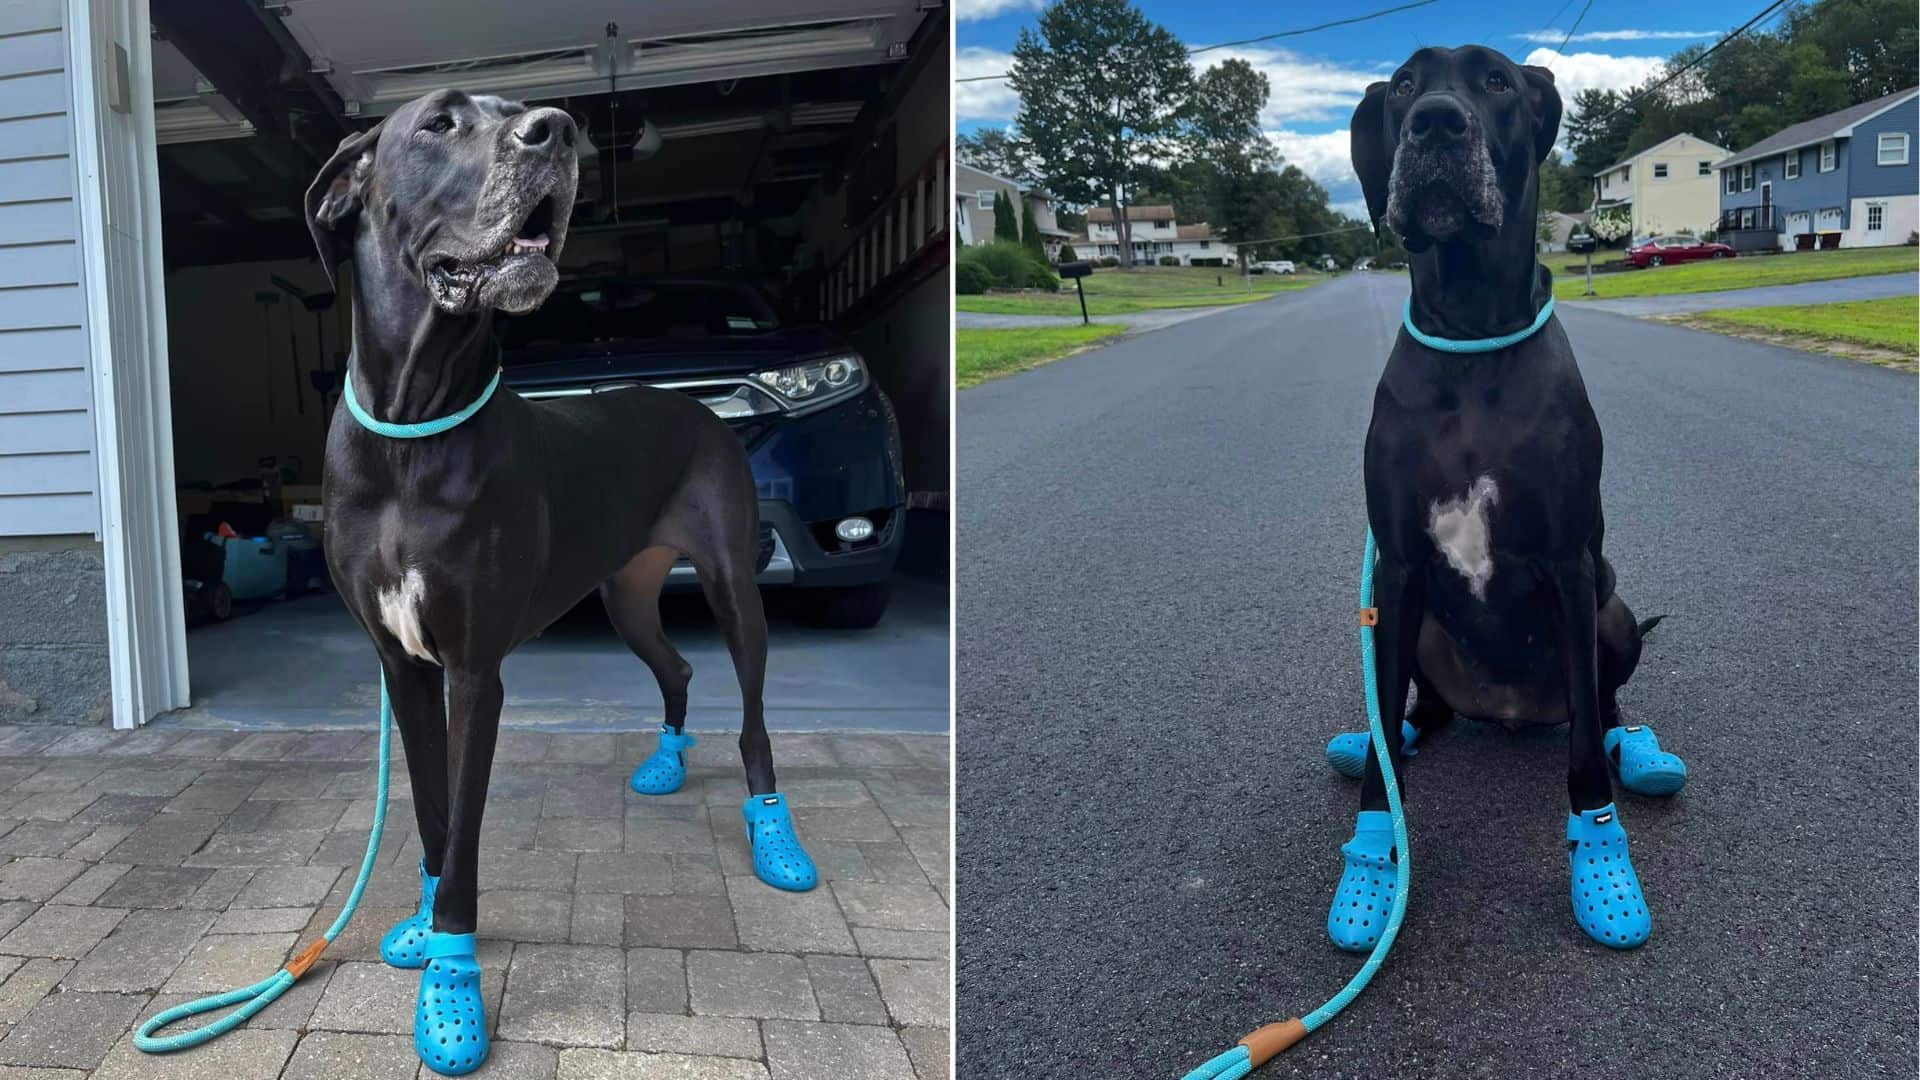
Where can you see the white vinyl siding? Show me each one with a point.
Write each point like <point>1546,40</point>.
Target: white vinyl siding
<point>1893,148</point>
<point>48,472</point>
<point>1828,158</point>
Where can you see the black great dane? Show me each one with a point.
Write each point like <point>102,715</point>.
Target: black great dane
<point>1482,470</point>
<point>462,519</point>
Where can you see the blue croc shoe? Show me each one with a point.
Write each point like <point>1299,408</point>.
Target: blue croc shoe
<point>405,944</point>
<point>1644,768</point>
<point>778,858</point>
<point>663,773</point>
<point>449,1021</point>
<point>1347,751</point>
<point>1607,902</point>
<point>1359,913</point>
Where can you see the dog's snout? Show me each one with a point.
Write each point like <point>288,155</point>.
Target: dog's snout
<point>1437,119</point>
<point>542,128</point>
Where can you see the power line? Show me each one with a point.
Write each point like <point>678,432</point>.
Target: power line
<point>1562,50</point>
<point>1302,236</point>
<point>1262,37</point>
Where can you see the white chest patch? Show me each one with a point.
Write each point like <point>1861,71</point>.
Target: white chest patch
<point>1459,528</point>
<point>400,613</point>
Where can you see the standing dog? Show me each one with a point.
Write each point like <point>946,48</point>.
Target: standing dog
<point>453,548</point>
<point>1483,484</point>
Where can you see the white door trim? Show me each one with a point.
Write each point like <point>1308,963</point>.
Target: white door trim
<point>117,191</point>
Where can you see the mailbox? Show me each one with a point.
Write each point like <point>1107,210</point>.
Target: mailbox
<point>1581,244</point>
<point>1075,269</point>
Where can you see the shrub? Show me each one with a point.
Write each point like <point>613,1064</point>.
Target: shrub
<point>1067,254</point>
<point>1005,226</point>
<point>1169,260</point>
<point>1110,260</point>
<point>970,278</point>
<point>1010,266</point>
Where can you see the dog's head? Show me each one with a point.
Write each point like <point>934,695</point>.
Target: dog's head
<point>467,195</point>
<point>1451,142</point>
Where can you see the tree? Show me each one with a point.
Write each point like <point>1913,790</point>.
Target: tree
<point>1004,225</point>
<point>1030,230</point>
<point>1561,188</point>
<point>1102,91</point>
<point>994,150</point>
<point>1223,125</point>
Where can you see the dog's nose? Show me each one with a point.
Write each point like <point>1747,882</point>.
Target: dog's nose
<point>540,128</point>
<point>1437,119</point>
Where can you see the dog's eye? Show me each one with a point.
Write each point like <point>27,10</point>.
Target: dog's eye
<point>1403,87</point>
<point>1496,83</point>
<point>439,125</point>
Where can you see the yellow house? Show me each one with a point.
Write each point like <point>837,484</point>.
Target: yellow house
<point>1668,187</point>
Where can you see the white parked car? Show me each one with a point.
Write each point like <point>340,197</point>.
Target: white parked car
<point>1273,266</point>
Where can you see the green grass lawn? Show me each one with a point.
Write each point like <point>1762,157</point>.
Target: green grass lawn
<point>1745,272</point>
<point>1119,292</point>
<point>979,355</point>
<point>1887,324</point>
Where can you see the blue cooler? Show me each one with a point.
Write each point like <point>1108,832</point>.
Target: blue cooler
<point>256,566</point>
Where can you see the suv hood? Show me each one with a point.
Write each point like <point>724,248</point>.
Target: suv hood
<point>660,359</point>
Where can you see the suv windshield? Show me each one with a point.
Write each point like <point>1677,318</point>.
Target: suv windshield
<point>633,310</point>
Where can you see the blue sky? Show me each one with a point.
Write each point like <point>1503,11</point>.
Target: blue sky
<point>1318,78</point>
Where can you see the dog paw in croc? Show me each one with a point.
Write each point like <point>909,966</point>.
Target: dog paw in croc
<point>1644,768</point>
<point>1360,905</point>
<point>778,858</point>
<point>1347,751</point>
<point>663,773</point>
<point>404,946</point>
<point>449,1020</point>
<point>1607,902</point>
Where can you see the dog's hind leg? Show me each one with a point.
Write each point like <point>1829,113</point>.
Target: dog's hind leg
<point>632,599</point>
<point>1633,750</point>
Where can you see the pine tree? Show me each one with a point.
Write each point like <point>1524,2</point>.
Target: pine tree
<point>1029,231</point>
<point>1004,225</point>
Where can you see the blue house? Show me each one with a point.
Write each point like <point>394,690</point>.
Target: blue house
<point>1846,179</point>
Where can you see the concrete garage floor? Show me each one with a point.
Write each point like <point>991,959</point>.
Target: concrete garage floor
<point>620,936</point>
<point>306,664</point>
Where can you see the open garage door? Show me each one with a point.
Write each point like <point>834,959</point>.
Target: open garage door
<point>761,199</point>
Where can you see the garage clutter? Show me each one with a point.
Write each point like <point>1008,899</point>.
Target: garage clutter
<point>250,541</point>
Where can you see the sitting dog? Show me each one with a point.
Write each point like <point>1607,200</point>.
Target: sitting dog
<point>1483,485</point>
<point>461,519</point>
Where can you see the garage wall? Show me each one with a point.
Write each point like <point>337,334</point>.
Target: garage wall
<point>232,372</point>
<point>48,475</point>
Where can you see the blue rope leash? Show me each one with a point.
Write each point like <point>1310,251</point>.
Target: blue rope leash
<point>1474,345</point>
<point>425,427</point>
<point>1261,1046</point>
<point>267,990</point>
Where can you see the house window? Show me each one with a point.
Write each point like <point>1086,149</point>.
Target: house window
<point>1747,218</point>
<point>1659,170</point>
<point>1626,174</point>
<point>1746,177</point>
<point>985,197</point>
<point>1893,148</point>
<point>1205,244</point>
<point>1826,156</point>
<point>1790,165</point>
<point>1163,224</point>
<point>1876,215</point>
<point>1733,181</point>
<point>1706,168</point>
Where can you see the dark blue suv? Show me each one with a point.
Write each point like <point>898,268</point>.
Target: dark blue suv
<point>820,434</point>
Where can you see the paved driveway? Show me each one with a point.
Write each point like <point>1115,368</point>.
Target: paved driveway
<point>1156,596</point>
<point>620,937</point>
<point>1875,287</point>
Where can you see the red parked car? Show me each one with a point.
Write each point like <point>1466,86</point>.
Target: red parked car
<point>1661,250</point>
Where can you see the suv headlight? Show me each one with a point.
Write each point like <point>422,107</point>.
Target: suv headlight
<point>805,387</point>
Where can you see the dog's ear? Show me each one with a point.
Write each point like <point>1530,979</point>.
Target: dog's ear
<point>1545,98</point>
<point>1372,160</point>
<point>335,198</point>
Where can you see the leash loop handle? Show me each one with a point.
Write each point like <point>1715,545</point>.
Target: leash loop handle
<point>252,999</point>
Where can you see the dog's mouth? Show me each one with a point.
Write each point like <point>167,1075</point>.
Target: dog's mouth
<point>515,275</point>
<point>1440,211</point>
<point>1438,195</point>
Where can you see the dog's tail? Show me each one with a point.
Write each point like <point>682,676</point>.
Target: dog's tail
<point>1647,625</point>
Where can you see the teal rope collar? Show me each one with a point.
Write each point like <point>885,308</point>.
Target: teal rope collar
<point>424,428</point>
<point>1474,345</point>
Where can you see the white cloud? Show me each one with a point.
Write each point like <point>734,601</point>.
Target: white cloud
<point>1327,156</point>
<point>975,10</point>
<point>1301,89</point>
<point>1574,72</point>
<point>1542,37</point>
<point>990,100</point>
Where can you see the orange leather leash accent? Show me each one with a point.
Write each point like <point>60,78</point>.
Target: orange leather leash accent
<point>1266,1043</point>
<point>304,959</point>
<point>1369,616</point>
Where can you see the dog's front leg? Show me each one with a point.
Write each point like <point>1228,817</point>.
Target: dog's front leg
<point>1604,889</point>
<point>1358,915</point>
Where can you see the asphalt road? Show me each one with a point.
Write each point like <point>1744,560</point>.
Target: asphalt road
<point>1159,554</point>
<point>1871,287</point>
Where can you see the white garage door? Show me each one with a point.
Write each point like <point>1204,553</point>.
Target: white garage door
<point>1831,220</point>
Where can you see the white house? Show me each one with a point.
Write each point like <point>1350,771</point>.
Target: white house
<point>1667,188</point>
<point>1155,231</point>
